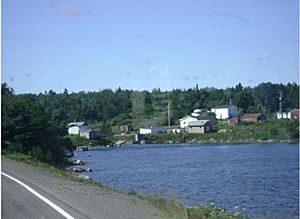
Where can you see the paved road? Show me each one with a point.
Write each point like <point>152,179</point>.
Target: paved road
<point>18,203</point>
<point>77,199</point>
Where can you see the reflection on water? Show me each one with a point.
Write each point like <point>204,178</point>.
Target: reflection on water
<point>261,179</point>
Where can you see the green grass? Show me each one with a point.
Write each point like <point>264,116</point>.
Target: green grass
<point>267,131</point>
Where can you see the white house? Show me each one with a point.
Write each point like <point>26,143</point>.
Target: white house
<point>186,120</point>
<point>74,128</point>
<point>152,131</point>
<point>224,112</point>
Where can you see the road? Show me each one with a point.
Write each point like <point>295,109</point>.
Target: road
<point>77,199</point>
<point>18,202</point>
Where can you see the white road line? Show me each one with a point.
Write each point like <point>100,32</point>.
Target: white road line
<point>58,209</point>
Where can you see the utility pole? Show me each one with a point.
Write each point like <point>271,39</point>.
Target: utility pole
<point>169,117</point>
<point>280,103</point>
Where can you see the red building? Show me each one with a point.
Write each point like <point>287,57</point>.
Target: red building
<point>233,120</point>
<point>253,117</point>
<point>126,128</point>
<point>295,114</point>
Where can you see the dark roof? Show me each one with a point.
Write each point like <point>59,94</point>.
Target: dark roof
<point>252,115</point>
<point>90,130</point>
<point>198,123</point>
<point>76,124</point>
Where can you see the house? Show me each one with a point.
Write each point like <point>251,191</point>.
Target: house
<point>294,114</point>
<point>74,128</point>
<point>233,120</point>
<point>90,133</point>
<point>200,126</point>
<point>152,131</point>
<point>253,117</point>
<point>186,120</point>
<point>126,128</point>
<point>224,112</point>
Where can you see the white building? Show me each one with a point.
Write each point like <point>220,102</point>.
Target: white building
<point>186,120</point>
<point>74,128</point>
<point>283,115</point>
<point>152,131</point>
<point>224,112</point>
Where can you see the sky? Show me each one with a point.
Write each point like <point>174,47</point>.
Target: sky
<point>90,45</point>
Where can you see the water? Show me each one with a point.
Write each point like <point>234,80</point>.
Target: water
<point>262,179</point>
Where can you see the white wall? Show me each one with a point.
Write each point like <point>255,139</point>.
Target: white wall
<point>151,131</point>
<point>184,123</point>
<point>73,130</point>
<point>221,113</point>
<point>225,113</point>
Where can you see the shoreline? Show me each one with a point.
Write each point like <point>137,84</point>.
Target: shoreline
<point>225,142</point>
<point>170,209</point>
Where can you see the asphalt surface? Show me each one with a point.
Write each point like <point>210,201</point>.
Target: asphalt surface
<point>78,199</point>
<point>18,203</point>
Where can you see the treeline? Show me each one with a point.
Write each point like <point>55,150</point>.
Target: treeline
<point>107,104</point>
<point>36,123</point>
<point>27,128</point>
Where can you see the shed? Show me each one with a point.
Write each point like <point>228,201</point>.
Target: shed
<point>253,117</point>
<point>294,114</point>
<point>126,128</point>
<point>200,126</point>
<point>233,120</point>
<point>90,133</point>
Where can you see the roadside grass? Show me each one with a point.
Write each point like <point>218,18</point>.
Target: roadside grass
<point>171,209</point>
<point>53,169</point>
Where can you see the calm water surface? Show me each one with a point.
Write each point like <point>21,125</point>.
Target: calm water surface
<point>263,179</point>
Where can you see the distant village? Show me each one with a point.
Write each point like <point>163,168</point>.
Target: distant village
<point>201,121</point>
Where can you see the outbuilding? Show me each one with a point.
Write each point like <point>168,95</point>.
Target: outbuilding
<point>253,117</point>
<point>74,128</point>
<point>224,112</point>
<point>152,131</point>
<point>186,120</point>
<point>90,133</point>
<point>200,126</point>
<point>233,120</point>
<point>294,114</point>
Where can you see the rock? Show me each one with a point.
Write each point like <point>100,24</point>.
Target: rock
<point>89,170</point>
<point>84,177</point>
<point>78,170</point>
<point>79,162</point>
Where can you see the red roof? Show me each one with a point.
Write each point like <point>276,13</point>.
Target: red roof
<point>251,116</point>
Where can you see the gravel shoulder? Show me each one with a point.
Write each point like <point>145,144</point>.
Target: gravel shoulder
<point>79,199</point>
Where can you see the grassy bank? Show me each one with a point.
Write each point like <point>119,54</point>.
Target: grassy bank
<point>171,209</point>
<point>267,131</point>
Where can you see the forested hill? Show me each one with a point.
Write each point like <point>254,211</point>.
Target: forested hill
<point>107,104</point>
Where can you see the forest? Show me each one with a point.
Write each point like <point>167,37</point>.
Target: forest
<point>35,124</point>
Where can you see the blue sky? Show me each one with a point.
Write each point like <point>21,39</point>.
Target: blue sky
<point>89,45</point>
